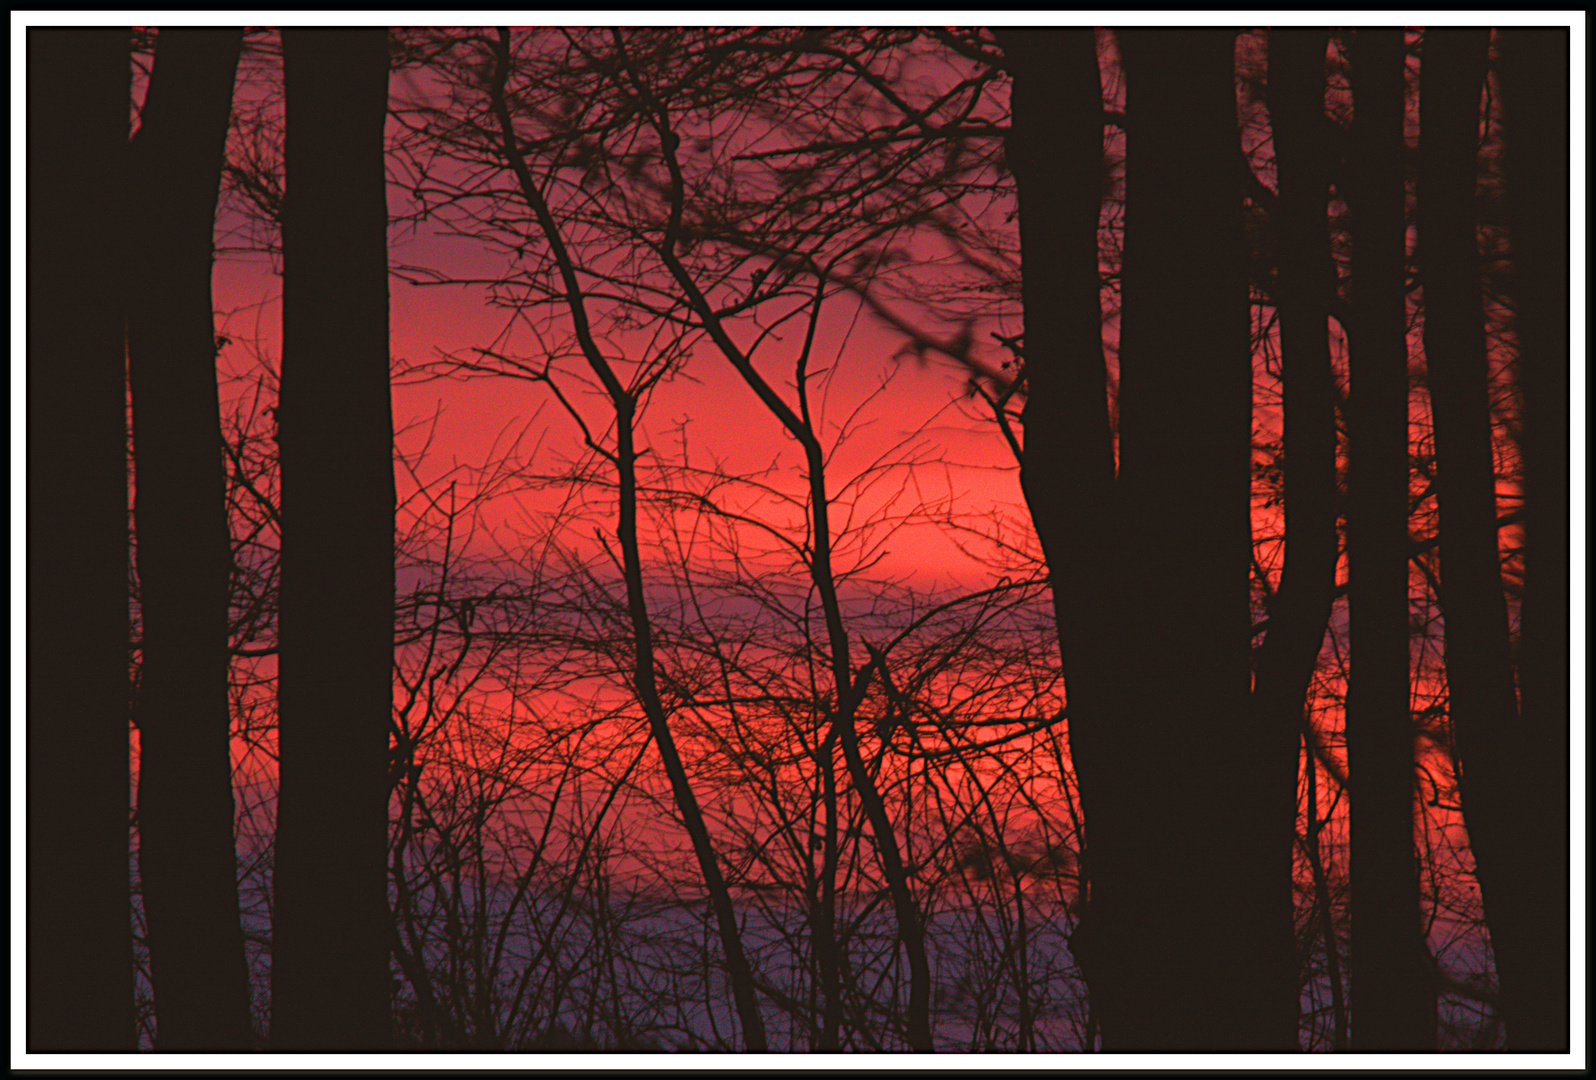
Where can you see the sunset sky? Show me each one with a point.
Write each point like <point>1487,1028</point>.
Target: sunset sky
<point>926,507</point>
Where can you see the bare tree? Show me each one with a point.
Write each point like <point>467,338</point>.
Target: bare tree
<point>712,260</point>
<point>624,400</point>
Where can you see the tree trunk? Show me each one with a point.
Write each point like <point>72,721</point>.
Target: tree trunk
<point>1494,761</point>
<point>1535,71</point>
<point>1299,609</point>
<point>1196,879</point>
<point>1535,91</point>
<point>1055,150</point>
<point>330,940</point>
<point>739,971</point>
<point>80,959</point>
<point>823,912</point>
<point>1190,808</point>
<point>187,858</point>
<point>1393,977</point>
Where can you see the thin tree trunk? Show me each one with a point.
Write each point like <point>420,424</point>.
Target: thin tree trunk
<point>826,947</point>
<point>187,858</point>
<point>1535,76</point>
<point>1299,610</point>
<point>739,971</point>
<point>1494,761</point>
<point>330,981</point>
<point>79,932</point>
<point>904,908</point>
<point>1393,984</point>
<point>1321,897</point>
<point>849,693</point>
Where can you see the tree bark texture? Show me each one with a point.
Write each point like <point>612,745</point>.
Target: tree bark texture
<point>330,981</point>
<point>187,859</point>
<point>79,928</point>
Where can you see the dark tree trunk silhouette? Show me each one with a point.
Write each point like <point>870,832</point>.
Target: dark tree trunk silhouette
<point>1535,72</point>
<point>1055,151</point>
<point>823,915</point>
<point>80,951</point>
<point>1299,609</point>
<point>1202,812</point>
<point>1189,794</point>
<point>1393,978</point>
<point>330,983</point>
<point>186,852</point>
<point>1496,763</point>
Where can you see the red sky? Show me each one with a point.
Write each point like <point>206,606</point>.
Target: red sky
<point>896,399</point>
